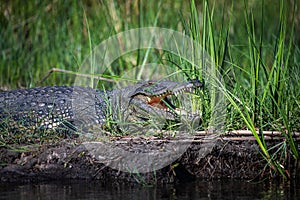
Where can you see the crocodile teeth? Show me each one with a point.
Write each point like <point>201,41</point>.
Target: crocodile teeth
<point>177,92</point>
<point>180,111</point>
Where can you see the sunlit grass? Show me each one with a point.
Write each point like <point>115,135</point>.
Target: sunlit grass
<point>258,76</point>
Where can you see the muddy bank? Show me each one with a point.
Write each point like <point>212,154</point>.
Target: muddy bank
<point>229,156</point>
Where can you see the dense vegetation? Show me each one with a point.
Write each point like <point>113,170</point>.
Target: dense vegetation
<point>253,44</point>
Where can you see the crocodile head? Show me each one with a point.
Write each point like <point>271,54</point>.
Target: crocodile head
<point>154,101</point>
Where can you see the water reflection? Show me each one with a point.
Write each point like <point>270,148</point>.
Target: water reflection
<point>195,190</point>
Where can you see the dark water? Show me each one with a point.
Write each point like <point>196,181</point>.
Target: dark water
<point>193,190</point>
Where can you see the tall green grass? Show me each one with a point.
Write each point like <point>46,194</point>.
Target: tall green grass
<point>260,76</point>
<point>37,35</point>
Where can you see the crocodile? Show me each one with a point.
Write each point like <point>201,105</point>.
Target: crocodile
<point>83,108</point>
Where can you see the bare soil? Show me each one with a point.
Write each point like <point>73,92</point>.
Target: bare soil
<point>231,156</point>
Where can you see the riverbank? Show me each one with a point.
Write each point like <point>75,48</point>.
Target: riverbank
<point>235,155</point>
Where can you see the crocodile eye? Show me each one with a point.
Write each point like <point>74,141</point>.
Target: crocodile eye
<point>151,83</point>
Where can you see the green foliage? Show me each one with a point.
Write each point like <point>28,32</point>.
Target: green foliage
<point>259,69</point>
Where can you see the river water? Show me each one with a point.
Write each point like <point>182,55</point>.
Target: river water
<point>226,189</point>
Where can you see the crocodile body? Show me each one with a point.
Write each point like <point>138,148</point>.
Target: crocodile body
<point>79,108</point>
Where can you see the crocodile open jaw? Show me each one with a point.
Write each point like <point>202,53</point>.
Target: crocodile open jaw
<point>163,103</point>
